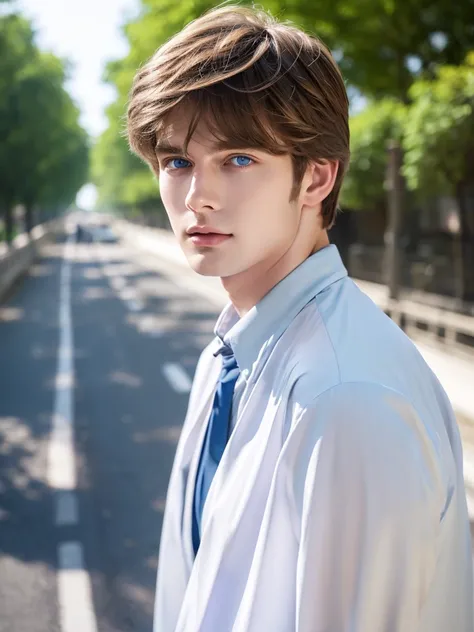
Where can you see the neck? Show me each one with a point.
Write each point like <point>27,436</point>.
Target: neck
<point>247,288</point>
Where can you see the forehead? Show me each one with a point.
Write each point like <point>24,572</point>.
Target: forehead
<point>217,129</point>
<point>174,132</point>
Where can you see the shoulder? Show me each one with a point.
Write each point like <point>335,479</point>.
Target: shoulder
<point>360,412</point>
<point>362,406</point>
<point>342,337</point>
<point>361,426</point>
<point>366,438</point>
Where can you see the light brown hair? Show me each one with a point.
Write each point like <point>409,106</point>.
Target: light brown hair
<point>257,82</point>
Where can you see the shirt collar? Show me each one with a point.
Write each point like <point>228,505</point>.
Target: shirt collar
<point>265,323</point>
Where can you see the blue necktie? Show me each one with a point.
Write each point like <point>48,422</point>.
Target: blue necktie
<point>215,439</point>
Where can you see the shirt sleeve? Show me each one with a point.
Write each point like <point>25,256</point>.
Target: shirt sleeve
<point>368,496</point>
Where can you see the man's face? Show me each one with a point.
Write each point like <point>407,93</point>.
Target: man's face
<point>240,197</point>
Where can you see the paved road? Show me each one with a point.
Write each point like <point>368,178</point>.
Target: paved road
<point>119,334</point>
<point>136,337</point>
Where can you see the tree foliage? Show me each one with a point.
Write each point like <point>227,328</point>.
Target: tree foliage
<point>123,180</point>
<point>384,45</point>
<point>371,129</point>
<point>43,149</point>
<point>439,131</point>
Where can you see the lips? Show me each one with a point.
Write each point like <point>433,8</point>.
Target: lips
<point>204,230</point>
<point>208,239</point>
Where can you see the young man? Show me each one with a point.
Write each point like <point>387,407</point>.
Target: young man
<point>317,484</point>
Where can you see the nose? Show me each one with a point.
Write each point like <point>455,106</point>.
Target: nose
<point>203,193</point>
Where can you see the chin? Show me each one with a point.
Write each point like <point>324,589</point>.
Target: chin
<point>207,265</point>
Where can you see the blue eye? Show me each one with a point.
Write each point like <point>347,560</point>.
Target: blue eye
<point>242,161</point>
<point>179,163</point>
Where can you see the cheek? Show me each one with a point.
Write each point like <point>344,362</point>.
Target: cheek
<point>172,192</point>
<point>166,192</point>
<point>270,205</point>
<point>258,194</point>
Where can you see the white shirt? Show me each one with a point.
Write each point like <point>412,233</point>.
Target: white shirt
<point>339,502</point>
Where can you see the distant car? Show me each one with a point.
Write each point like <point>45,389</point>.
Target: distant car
<point>83,234</point>
<point>103,234</point>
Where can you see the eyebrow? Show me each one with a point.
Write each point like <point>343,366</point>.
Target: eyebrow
<point>163,147</point>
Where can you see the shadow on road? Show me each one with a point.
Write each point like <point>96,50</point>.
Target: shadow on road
<point>127,421</point>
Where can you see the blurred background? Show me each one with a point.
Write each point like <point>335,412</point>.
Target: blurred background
<point>101,322</point>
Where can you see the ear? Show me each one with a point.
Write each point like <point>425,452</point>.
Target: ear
<point>318,182</point>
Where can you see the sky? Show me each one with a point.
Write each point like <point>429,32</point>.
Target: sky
<point>88,33</point>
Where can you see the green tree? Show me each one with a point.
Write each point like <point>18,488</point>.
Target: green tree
<point>43,149</point>
<point>383,45</point>
<point>124,182</point>
<point>16,50</point>
<point>439,150</point>
<point>55,165</point>
<point>370,131</point>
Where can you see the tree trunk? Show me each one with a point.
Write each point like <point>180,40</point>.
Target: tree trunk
<point>396,191</point>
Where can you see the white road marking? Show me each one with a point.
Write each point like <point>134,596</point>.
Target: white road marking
<point>66,509</point>
<point>74,587</point>
<point>177,377</point>
<point>76,609</point>
<point>61,463</point>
